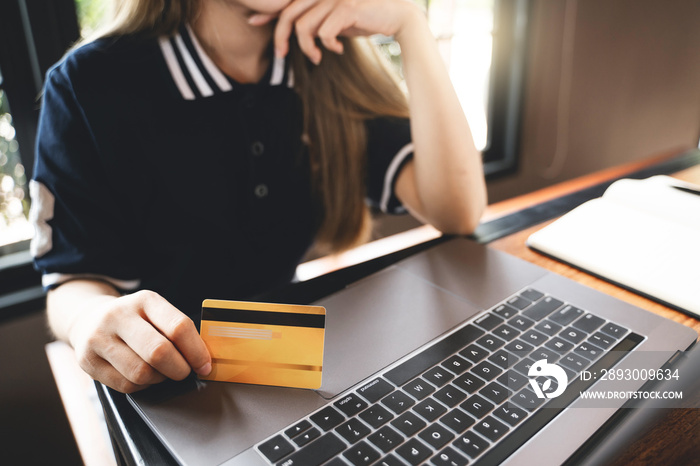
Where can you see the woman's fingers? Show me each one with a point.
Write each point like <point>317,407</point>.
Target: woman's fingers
<point>286,24</point>
<point>330,19</point>
<point>138,340</point>
<point>181,339</point>
<point>121,368</point>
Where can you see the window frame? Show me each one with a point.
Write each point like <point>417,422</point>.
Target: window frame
<point>506,87</point>
<point>33,36</point>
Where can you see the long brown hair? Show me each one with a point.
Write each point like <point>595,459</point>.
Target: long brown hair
<point>337,97</point>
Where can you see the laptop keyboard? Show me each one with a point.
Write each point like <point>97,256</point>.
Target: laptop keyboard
<point>452,402</point>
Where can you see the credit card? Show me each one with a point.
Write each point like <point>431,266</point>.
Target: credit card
<point>263,343</point>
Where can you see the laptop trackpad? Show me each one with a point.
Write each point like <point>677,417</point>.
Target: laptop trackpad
<point>375,322</point>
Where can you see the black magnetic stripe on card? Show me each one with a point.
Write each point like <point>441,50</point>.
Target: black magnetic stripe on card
<point>288,319</point>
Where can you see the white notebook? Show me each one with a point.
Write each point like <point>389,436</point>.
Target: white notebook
<point>641,234</point>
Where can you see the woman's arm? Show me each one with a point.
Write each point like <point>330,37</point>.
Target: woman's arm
<point>444,183</point>
<point>128,342</point>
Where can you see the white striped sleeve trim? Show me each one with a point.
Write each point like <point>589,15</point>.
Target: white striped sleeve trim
<point>216,75</point>
<point>174,67</point>
<point>290,78</point>
<point>391,174</point>
<point>195,73</point>
<point>54,279</point>
<point>277,71</point>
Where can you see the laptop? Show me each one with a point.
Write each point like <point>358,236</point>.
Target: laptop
<point>458,354</point>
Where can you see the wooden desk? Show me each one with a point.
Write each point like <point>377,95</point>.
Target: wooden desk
<point>672,441</point>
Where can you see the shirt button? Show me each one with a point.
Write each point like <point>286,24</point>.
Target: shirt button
<point>257,148</point>
<point>261,191</point>
<point>248,100</point>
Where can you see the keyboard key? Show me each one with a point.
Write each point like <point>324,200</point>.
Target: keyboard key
<point>570,375</point>
<point>457,420</point>
<point>436,436</point>
<point>477,406</point>
<point>438,376</point>
<point>450,396</point>
<point>573,335</point>
<point>566,315</point>
<point>390,460</point>
<point>502,359</point>
<point>376,416</point>
<point>456,364</point>
<point>433,355</point>
<point>375,390</point>
<point>521,323</point>
<point>558,345</point>
<point>532,295</point>
<point>430,409</point>
<point>327,418</point>
<point>519,347</point>
<point>398,402</point>
<point>361,454</point>
<point>613,330</point>
<point>449,457</point>
<point>506,332</point>
<point>545,353</point>
<point>495,392</point>
<point>353,430</point>
<point>512,380</point>
<point>491,428</point>
<point>336,462</point>
<point>602,340</point>
<point>534,337</point>
<point>414,452</point>
<point>408,423</point>
<point>276,448</point>
<point>351,404</point>
<point>510,414</point>
<point>505,311</point>
<point>574,362</point>
<point>524,366</point>
<point>588,323</point>
<point>588,351</point>
<point>542,308</point>
<point>317,452</point>
<point>471,444</point>
<point>474,353</point>
<point>490,342</point>
<point>488,321</point>
<point>486,370</point>
<point>418,388</point>
<point>519,302</point>
<point>386,439</point>
<point>297,428</point>
<point>548,328</point>
<point>527,399</point>
<point>469,383</point>
<point>307,436</point>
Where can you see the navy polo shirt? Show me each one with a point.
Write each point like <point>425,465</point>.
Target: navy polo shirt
<point>154,170</point>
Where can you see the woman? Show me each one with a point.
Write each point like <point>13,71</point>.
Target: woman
<point>198,147</point>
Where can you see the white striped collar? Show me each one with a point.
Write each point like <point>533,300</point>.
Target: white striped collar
<point>196,76</point>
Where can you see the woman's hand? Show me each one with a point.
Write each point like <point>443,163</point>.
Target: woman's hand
<point>330,19</point>
<point>129,342</point>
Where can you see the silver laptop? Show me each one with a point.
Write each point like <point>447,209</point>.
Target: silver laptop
<point>458,354</point>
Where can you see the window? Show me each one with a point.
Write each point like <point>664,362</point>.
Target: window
<point>14,198</point>
<point>33,36</point>
<point>483,44</point>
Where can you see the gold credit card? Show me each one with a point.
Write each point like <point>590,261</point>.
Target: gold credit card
<point>263,343</point>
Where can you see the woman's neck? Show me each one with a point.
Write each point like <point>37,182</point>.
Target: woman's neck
<point>236,47</point>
